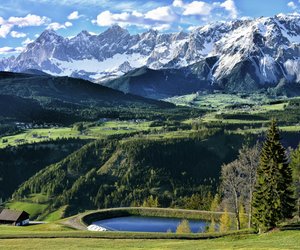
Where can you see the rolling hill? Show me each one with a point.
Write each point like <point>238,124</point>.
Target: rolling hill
<point>44,98</point>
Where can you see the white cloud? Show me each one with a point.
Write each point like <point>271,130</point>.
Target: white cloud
<point>106,18</point>
<point>178,3</point>
<point>29,20</point>
<point>68,24</point>
<point>292,5</point>
<point>159,18</point>
<point>162,27</point>
<point>201,8</point>
<point>74,15</point>
<point>10,50</point>
<point>165,14</point>
<point>56,26</point>
<point>137,14</point>
<point>27,41</point>
<point>5,29</point>
<point>16,34</point>
<point>191,28</point>
<point>229,5</point>
<point>93,33</point>
<point>5,50</point>
<point>197,8</point>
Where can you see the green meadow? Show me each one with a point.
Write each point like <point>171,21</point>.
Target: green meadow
<point>55,236</point>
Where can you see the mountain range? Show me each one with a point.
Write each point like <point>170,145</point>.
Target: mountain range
<point>239,55</point>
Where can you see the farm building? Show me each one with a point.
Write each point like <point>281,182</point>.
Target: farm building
<point>13,217</point>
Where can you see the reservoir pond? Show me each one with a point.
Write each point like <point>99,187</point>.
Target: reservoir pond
<point>148,224</point>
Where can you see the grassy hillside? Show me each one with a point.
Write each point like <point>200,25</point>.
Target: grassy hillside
<point>44,98</point>
<point>57,236</point>
<point>46,88</point>
<point>88,130</point>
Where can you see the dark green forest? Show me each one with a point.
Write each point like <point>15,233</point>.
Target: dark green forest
<point>112,173</point>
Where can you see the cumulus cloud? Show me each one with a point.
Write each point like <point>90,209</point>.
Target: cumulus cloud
<point>292,5</point>
<point>27,41</point>
<point>191,28</point>
<point>178,3</point>
<point>58,26</point>
<point>10,50</point>
<point>74,15</point>
<point>68,24</point>
<point>162,27</point>
<point>29,20</point>
<point>159,18</point>
<point>197,8</point>
<point>5,29</point>
<point>92,33</point>
<point>201,8</point>
<point>106,18</point>
<point>16,34</point>
<point>165,14</point>
<point>229,5</point>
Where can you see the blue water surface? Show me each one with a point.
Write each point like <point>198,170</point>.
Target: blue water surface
<point>149,224</point>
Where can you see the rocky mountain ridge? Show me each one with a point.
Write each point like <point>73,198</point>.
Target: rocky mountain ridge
<point>235,55</point>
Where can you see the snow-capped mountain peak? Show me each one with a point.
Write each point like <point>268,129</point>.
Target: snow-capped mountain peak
<point>49,36</point>
<point>260,51</point>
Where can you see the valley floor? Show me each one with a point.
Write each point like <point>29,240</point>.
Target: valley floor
<point>273,240</point>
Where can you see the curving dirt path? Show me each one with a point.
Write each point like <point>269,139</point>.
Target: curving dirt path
<point>74,222</point>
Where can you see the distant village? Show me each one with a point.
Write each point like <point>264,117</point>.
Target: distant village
<point>26,126</point>
<point>23,125</point>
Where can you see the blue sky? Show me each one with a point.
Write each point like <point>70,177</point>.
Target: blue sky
<point>21,21</point>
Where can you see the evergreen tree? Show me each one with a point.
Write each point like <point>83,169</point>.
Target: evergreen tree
<point>295,166</point>
<point>225,221</point>
<point>215,203</point>
<point>214,208</point>
<point>273,197</point>
<point>243,218</point>
<point>212,226</point>
<point>151,202</point>
<point>183,227</point>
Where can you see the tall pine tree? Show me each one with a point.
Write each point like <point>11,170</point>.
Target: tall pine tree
<point>273,196</point>
<point>295,166</point>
